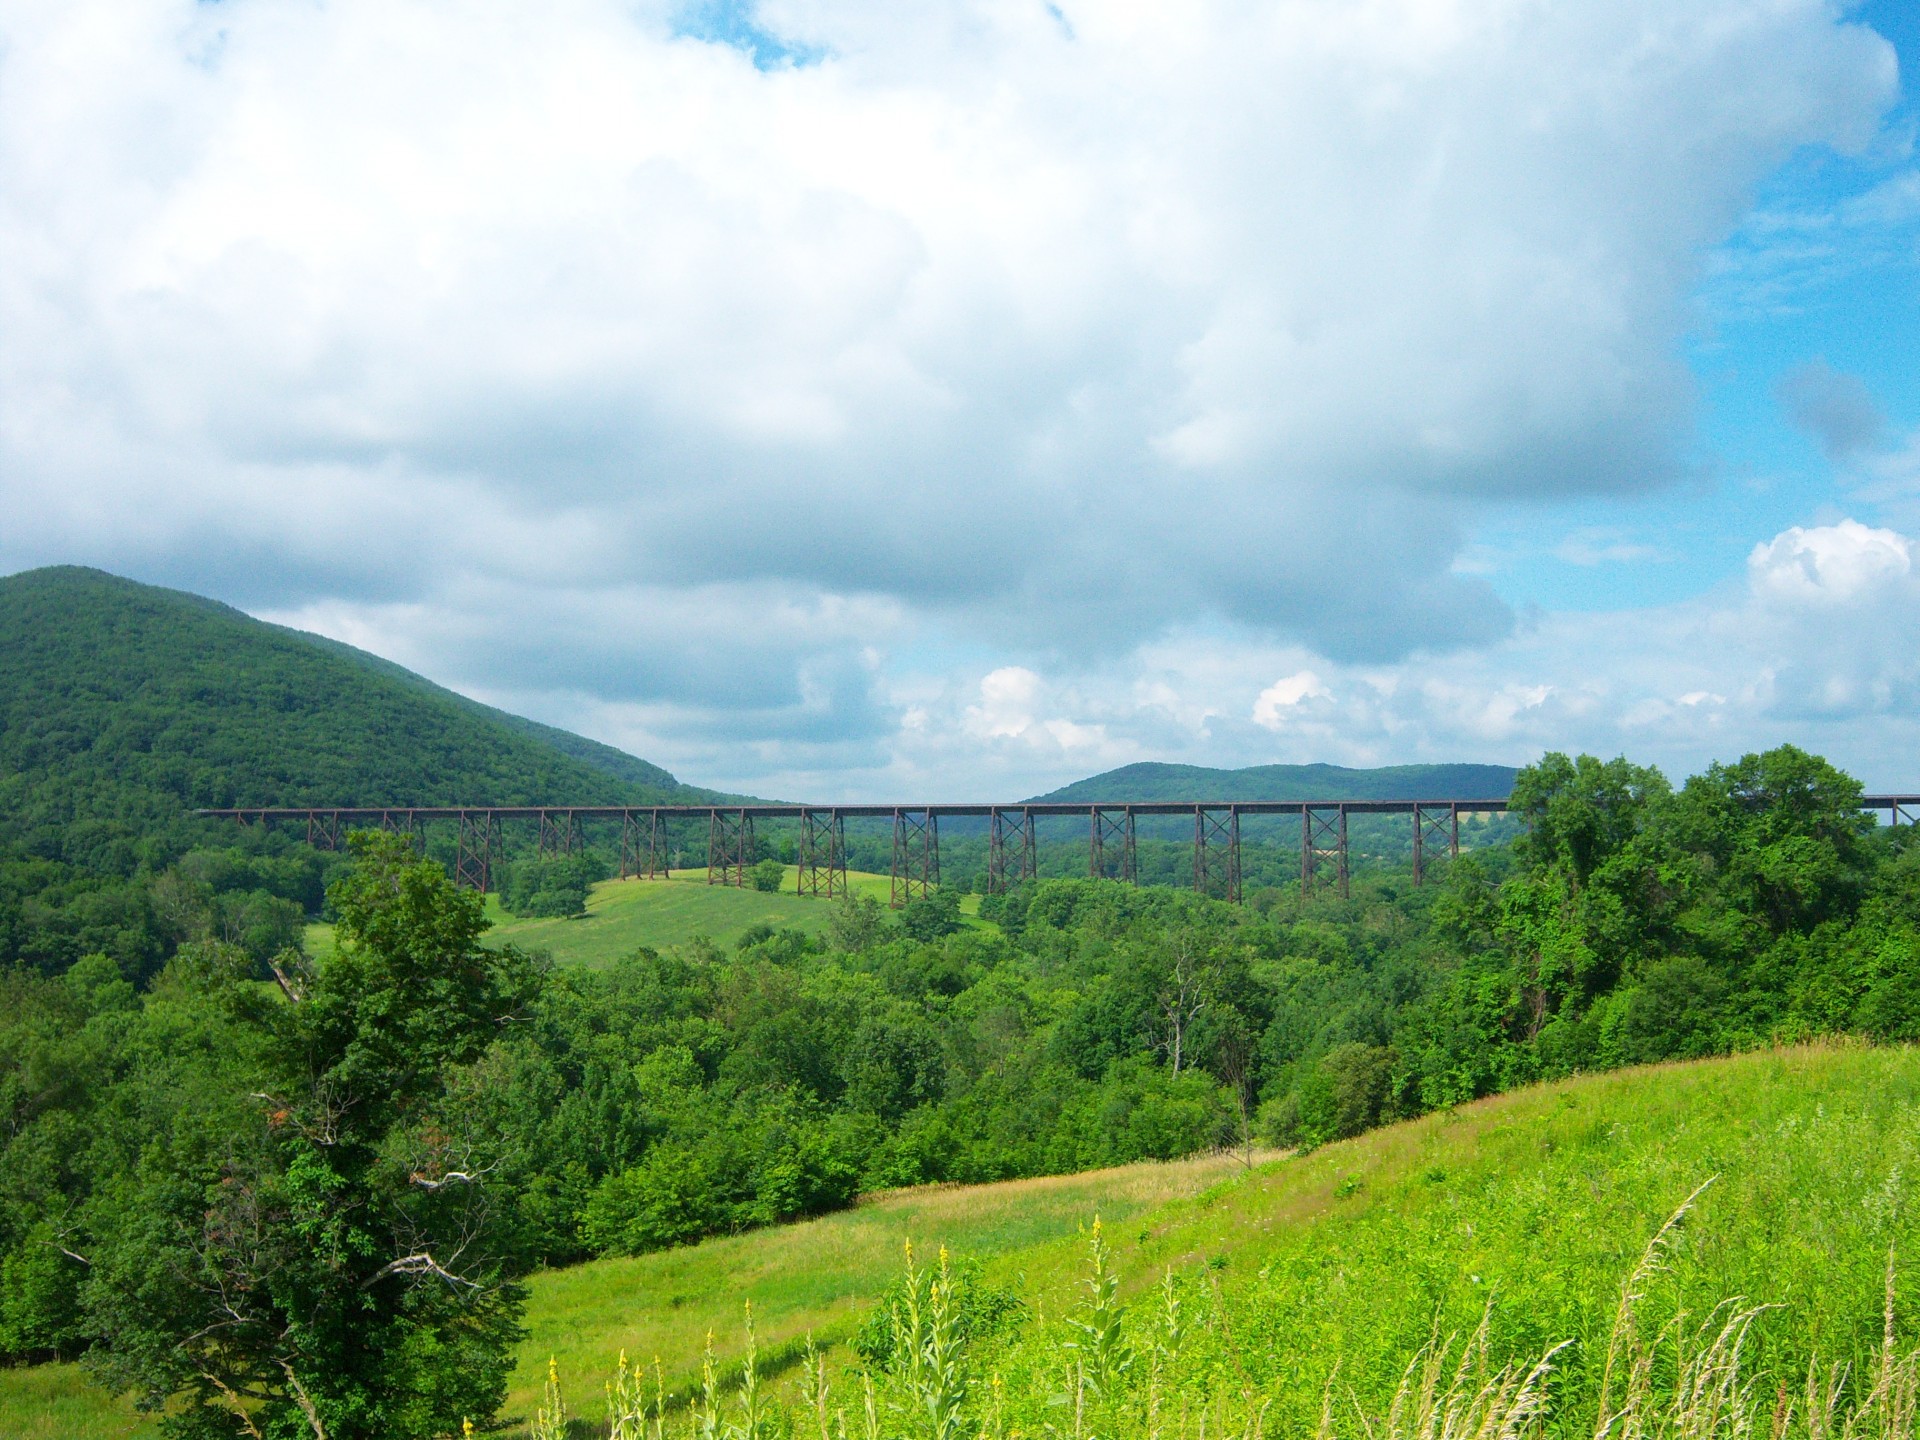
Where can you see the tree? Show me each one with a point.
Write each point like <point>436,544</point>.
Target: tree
<point>316,1257</point>
<point>930,916</point>
<point>1236,1055</point>
<point>1183,996</point>
<point>855,923</point>
<point>1583,811</point>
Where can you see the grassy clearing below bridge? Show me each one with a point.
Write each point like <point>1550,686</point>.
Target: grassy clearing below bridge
<point>624,915</point>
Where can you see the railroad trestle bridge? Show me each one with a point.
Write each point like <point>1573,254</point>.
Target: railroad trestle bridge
<point>1012,850</point>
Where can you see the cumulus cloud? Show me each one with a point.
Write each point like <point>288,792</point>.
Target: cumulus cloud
<point>1813,644</point>
<point>1274,706</point>
<point>722,400</point>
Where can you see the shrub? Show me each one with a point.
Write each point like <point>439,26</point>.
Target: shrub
<point>670,1198</point>
<point>549,887</point>
<point>934,914</point>
<point>1350,1090</point>
<point>767,877</point>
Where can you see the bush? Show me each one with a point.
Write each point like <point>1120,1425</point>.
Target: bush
<point>935,914</point>
<point>767,877</point>
<point>1350,1090</point>
<point>549,887</point>
<point>670,1198</point>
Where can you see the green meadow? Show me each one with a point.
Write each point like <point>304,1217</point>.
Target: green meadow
<point>1528,1210</point>
<point>624,915</point>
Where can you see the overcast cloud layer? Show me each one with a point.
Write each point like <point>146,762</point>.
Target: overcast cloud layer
<point>982,394</point>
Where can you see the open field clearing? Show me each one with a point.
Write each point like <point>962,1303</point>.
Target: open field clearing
<point>1543,1200</point>
<point>818,1277</point>
<point>623,915</point>
<point>1539,1201</point>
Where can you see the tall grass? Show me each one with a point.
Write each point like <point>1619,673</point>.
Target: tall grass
<point>1110,1369</point>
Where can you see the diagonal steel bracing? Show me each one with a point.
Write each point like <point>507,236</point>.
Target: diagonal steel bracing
<point>643,844</point>
<point>823,854</point>
<point>1011,854</point>
<point>1436,835</point>
<point>1110,848</point>
<point>1323,849</point>
<point>476,850</point>
<point>729,847</point>
<point>1216,851</point>
<point>916,854</point>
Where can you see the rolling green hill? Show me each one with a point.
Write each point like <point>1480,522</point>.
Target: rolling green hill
<point>623,916</point>
<point>1528,1209</point>
<point>1154,781</point>
<point>123,705</point>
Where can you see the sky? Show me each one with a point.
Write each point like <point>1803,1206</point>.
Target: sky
<point>953,398</point>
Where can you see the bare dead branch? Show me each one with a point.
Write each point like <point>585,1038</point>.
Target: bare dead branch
<point>234,1402</point>
<point>418,1263</point>
<point>304,1401</point>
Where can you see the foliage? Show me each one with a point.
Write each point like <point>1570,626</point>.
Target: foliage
<point>550,887</point>
<point>768,876</point>
<point>309,1256</point>
<point>978,1309</point>
<point>701,1091</point>
<point>126,706</point>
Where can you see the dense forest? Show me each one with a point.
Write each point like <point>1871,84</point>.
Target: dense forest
<point>418,1095</point>
<point>124,706</point>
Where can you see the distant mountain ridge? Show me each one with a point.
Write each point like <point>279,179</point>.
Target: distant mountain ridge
<point>1151,780</point>
<point>123,706</point>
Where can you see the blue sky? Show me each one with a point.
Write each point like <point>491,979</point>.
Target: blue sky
<point>838,400</point>
<point>1777,299</point>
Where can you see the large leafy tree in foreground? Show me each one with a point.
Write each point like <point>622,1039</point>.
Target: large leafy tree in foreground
<point>316,1257</point>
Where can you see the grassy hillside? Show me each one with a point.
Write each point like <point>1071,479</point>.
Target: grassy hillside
<point>125,704</point>
<point>1152,781</point>
<point>1540,1201</point>
<point>626,915</point>
<point>819,1277</point>
<point>1535,1204</point>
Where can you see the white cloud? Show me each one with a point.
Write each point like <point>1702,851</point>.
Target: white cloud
<point>1825,661</point>
<point>588,366</point>
<point>1273,706</point>
<point>1831,565</point>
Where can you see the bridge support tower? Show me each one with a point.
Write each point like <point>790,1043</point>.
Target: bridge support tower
<point>1323,849</point>
<point>823,854</point>
<point>1216,851</point>
<point>916,855</point>
<point>1110,848</point>
<point>1011,854</point>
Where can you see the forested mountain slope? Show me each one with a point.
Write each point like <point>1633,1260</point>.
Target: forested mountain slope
<point>1153,781</point>
<point>125,706</point>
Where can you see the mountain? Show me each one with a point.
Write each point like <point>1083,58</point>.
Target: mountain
<point>1153,781</point>
<point>123,706</point>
